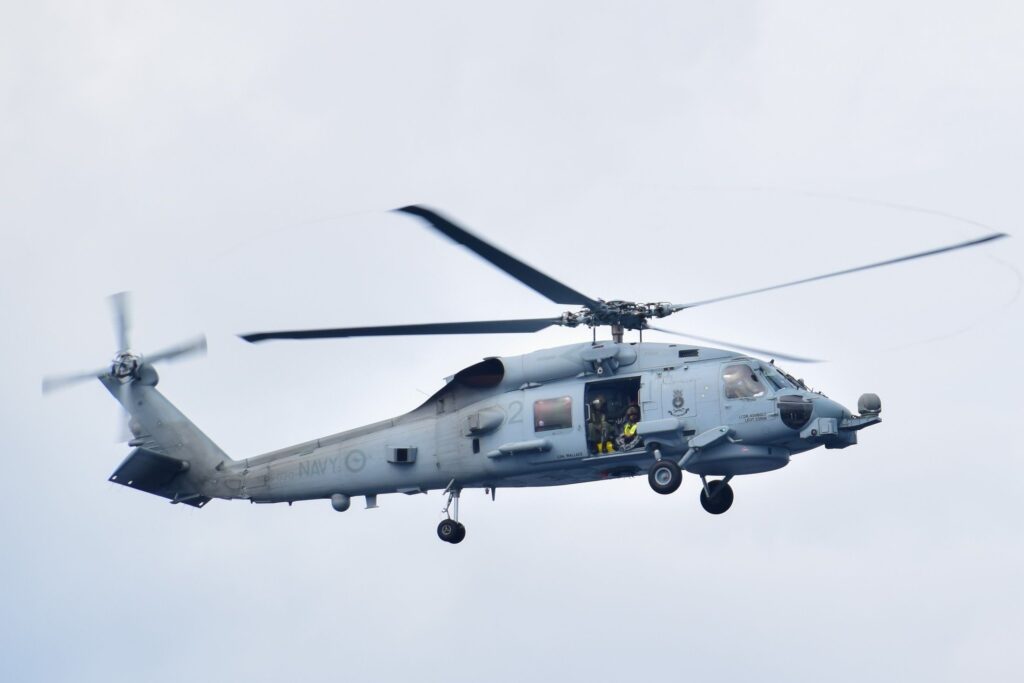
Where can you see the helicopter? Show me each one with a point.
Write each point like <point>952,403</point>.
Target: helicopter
<point>583,412</point>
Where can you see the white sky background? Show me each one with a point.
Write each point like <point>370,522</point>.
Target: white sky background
<point>231,165</point>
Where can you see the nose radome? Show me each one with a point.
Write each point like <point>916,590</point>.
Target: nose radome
<point>826,407</point>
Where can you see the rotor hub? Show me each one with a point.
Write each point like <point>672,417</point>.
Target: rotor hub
<point>628,315</point>
<point>617,314</point>
<point>125,366</point>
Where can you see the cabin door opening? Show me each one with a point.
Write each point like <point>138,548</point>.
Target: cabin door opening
<point>608,406</point>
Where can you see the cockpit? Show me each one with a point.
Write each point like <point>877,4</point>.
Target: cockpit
<point>779,378</point>
<point>744,380</point>
<point>740,381</point>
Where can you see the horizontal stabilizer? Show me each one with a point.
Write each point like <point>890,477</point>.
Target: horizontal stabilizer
<point>158,474</point>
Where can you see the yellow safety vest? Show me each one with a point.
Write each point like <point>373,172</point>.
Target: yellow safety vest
<point>629,429</point>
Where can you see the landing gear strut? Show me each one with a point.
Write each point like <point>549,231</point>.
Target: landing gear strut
<point>716,496</point>
<point>450,530</point>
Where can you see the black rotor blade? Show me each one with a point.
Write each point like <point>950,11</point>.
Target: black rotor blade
<point>901,259</point>
<point>528,275</point>
<point>475,327</point>
<point>741,347</point>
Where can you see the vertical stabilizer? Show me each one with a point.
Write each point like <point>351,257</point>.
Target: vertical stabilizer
<point>173,457</point>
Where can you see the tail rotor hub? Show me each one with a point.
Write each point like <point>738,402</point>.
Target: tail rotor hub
<point>125,366</point>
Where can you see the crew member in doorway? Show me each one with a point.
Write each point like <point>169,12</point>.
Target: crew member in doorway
<point>599,432</point>
<point>629,439</point>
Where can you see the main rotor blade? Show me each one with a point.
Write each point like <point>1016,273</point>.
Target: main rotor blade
<point>121,305</point>
<point>476,327</point>
<point>528,275</point>
<point>741,347</point>
<point>60,381</point>
<point>901,259</point>
<point>188,348</point>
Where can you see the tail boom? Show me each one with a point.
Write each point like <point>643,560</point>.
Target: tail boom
<point>173,458</point>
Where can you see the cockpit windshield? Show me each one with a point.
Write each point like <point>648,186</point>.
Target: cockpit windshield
<point>776,377</point>
<point>790,381</point>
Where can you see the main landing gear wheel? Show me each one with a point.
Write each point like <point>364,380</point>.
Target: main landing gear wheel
<point>720,499</point>
<point>665,477</point>
<point>451,531</point>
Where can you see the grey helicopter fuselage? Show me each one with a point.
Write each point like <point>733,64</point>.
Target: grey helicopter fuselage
<point>523,421</point>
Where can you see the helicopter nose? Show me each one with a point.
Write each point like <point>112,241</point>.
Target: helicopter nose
<point>825,424</point>
<point>827,408</point>
<point>808,414</point>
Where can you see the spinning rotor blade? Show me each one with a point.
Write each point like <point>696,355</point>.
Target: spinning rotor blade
<point>931,252</point>
<point>475,327</point>
<point>56,382</point>
<point>124,432</point>
<point>529,276</point>
<point>188,348</point>
<point>121,305</point>
<point>751,349</point>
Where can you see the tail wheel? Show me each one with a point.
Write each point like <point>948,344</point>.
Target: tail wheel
<point>720,499</point>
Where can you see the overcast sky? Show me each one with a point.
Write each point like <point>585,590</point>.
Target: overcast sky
<point>232,164</point>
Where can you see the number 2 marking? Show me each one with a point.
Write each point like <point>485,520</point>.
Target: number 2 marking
<point>515,412</point>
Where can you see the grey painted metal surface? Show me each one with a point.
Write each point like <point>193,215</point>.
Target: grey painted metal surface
<point>485,429</point>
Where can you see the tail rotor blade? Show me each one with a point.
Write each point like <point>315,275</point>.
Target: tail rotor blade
<point>121,305</point>
<point>188,348</point>
<point>739,347</point>
<point>55,382</point>
<point>125,365</point>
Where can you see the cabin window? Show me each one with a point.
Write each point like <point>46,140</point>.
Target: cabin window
<point>552,413</point>
<point>740,381</point>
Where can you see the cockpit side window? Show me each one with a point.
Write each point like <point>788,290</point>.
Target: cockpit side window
<point>740,381</point>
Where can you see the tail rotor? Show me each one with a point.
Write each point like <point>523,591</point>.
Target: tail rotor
<point>121,305</point>
<point>127,366</point>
